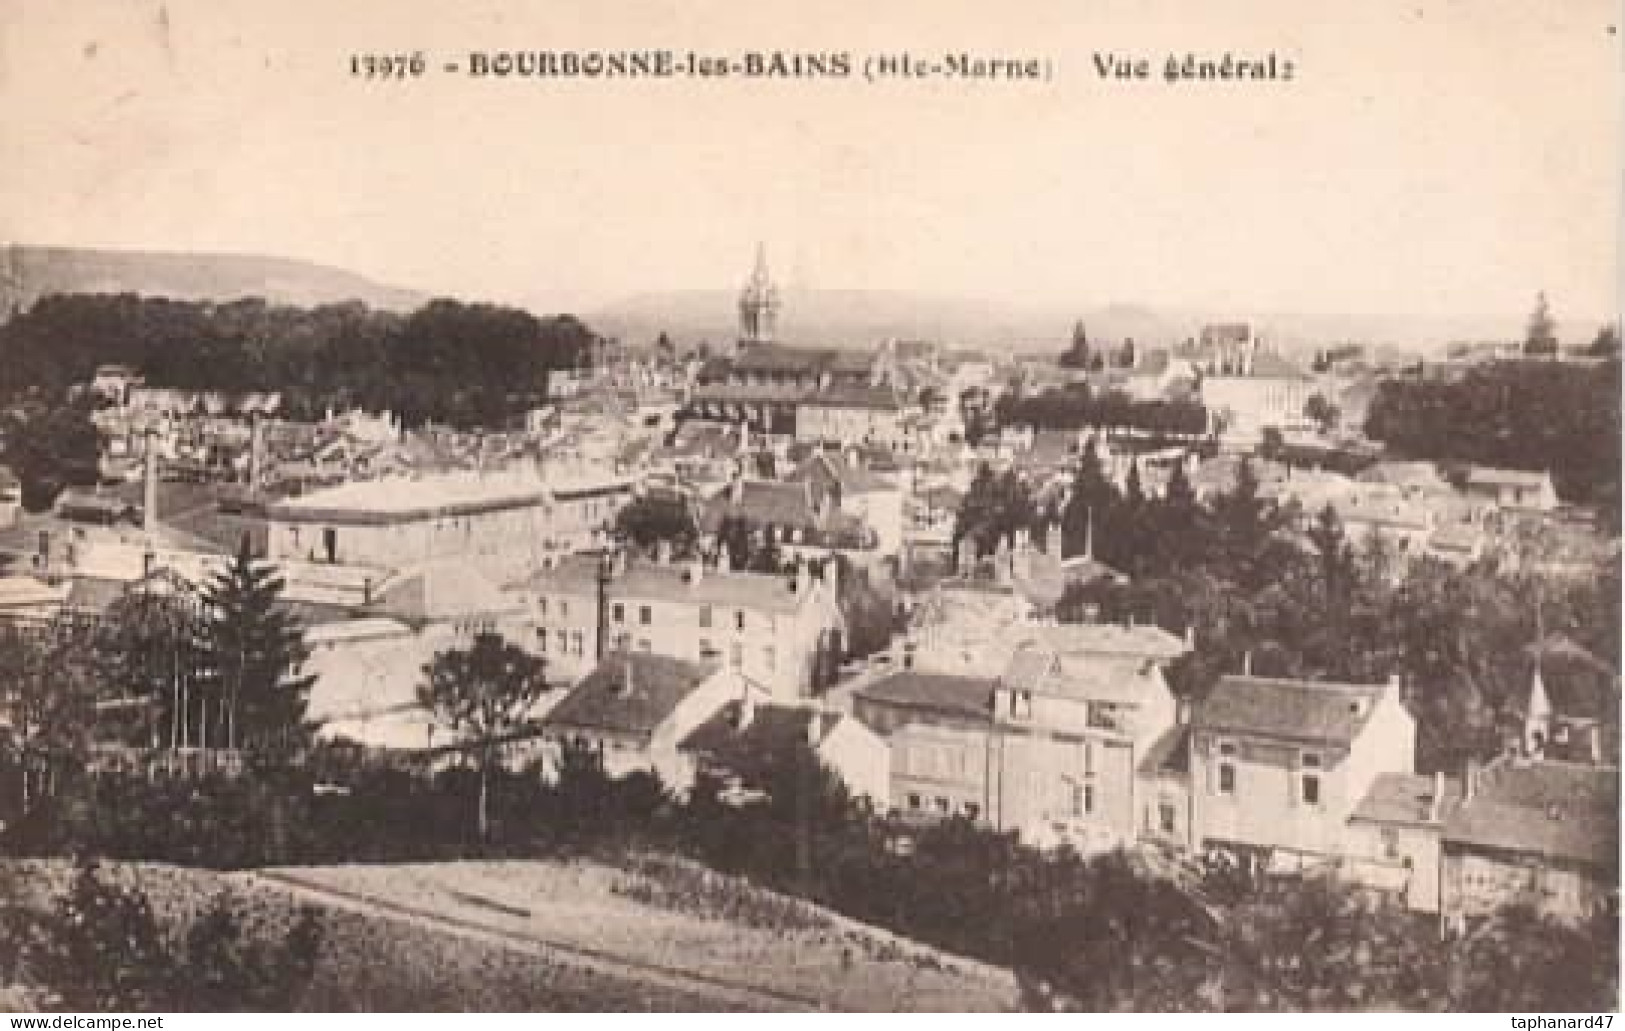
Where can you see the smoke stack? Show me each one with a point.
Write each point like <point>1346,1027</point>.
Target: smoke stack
<point>1247,663</point>
<point>1437,802</point>
<point>1469,781</point>
<point>149,497</point>
<point>256,452</point>
<point>746,712</point>
<point>1190,636</point>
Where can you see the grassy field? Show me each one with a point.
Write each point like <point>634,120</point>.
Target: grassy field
<point>569,936</point>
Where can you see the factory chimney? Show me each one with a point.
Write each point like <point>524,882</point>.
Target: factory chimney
<point>149,498</point>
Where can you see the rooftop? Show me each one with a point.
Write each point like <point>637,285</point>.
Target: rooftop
<point>1300,710</point>
<point>394,499</point>
<point>1407,798</point>
<point>757,592</point>
<point>877,398</point>
<point>629,693</point>
<point>771,732</point>
<point>1562,811</point>
<point>969,697</point>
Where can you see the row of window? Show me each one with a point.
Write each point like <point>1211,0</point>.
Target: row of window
<point>573,642</point>
<point>942,805</point>
<point>645,614</point>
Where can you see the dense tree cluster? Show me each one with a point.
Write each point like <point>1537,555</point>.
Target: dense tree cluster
<point>462,364</point>
<point>1289,594</point>
<point>49,447</point>
<point>169,668</point>
<point>1077,406</point>
<point>100,947</point>
<point>1535,415</point>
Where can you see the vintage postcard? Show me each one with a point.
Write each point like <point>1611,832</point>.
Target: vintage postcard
<point>753,505</point>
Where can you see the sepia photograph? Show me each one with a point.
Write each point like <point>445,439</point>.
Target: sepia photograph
<point>628,506</point>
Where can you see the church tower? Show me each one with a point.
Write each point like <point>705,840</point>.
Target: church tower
<point>758,305</point>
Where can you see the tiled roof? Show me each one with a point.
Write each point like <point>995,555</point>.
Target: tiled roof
<point>773,731</point>
<point>1142,641</point>
<point>1506,477</point>
<point>854,479</point>
<point>762,501</point>
<point>1407,798</point>
<point>1557,810</point>
<point>629,693</point>
<point>937,692</point>
<point>1091,678</point>
<point>758,592</point>
<point>878,398</point>
<point>439,590</point>
<point>1302,710</point>
<point>1169,755</point>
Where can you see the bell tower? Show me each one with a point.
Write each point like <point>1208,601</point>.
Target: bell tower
<point>758,305</point>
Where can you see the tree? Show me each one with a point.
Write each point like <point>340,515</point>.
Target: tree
<point>1540,337</point>
<point>148,653</point>
<point>658,518</point>
<point>1322,412</point>
<point>1606,342</point>
<point>47,702</point>
<point>484,694</point>
<point>252,648</point>
<point>50,447</point>
<point>1272,444</point>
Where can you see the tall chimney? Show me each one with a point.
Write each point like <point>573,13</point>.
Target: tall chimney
<point>149,497</point>
<point>256,452</point>
<point>1437,802</point>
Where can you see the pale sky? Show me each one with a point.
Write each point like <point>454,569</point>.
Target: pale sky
<point>1429,157</point>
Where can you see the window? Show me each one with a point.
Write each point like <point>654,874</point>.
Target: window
<point>1309,760</point>
<point>645,615</point>
<point>1088,798</point>
<point>1227,748</point>
<point>943,805</point>
<point>1390,843</point>
<point>972,811</point>
<point>736,655</point>
<point>705,616</point>
<point>1166,817</point>
<point>564,610</point>
<point>1021,704</point>
<point>913,801</point>
<point>618,612</point>
<point>541,607</point>
<point>564,643</point>
<point>1227,779</point>
<point>739,620</point>
<point>623,642</point>
<point>1311,789</point>
<point>643,645</point>
<point>576,644</point>
<point>541,639</point>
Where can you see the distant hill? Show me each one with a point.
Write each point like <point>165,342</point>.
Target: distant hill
<point>860,318</point>
<point>28,273</point>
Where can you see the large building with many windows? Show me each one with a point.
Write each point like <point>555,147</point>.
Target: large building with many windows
<point>769,627</point>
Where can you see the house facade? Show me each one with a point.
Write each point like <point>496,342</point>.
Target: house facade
<point>765,626</point>
<point>1278,766</point>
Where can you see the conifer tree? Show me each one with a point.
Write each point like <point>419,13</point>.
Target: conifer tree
<point>253,649</point>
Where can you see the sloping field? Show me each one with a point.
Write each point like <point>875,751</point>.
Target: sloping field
<point>567,936</point>
<point>669,925</point>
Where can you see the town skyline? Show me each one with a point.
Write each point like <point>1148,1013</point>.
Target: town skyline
<point>241,131</point>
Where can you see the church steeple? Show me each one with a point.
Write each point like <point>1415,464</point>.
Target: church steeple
<point>758,304</point>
